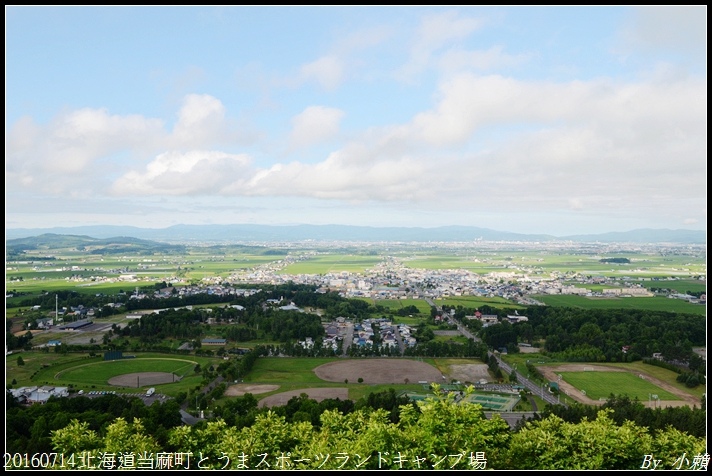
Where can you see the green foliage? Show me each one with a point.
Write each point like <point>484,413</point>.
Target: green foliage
<point>75,438</point>
<point>553,443</point>
<point>692,421</point>
<point>426,436</point>
<point>614,260</point>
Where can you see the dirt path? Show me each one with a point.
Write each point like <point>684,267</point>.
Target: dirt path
<point>550,373</point>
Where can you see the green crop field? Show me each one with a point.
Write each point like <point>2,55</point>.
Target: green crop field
<point>445,261</point>
<point>679,285</point>
<point>599,385</point>
<point>656,303</point>
<point>332,263</point>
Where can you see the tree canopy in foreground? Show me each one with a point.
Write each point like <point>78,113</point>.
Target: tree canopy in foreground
<point>441,433</point>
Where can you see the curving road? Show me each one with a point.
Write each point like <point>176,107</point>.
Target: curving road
<point>541,391</point>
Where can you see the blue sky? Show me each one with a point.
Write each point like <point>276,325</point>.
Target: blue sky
<point>558,120</point>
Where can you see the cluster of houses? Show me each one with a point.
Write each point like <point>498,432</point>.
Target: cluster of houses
<point>491,319</point>
<point>693,299</point>
<point>363,334</point>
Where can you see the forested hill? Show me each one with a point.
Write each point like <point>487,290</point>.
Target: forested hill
<point>122,244</point>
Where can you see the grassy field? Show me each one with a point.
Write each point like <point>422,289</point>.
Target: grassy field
<point>84,371</point>
<point>599,385</point>
<point>520,360</point>
<point>451,339</point>
<point>99,372</point>
<point>291,373</point>
<point>657,303</point>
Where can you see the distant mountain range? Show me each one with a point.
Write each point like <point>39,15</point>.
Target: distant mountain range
<point>300,233</point>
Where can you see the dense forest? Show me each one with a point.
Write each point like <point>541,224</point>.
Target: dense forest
<point>600,335</point>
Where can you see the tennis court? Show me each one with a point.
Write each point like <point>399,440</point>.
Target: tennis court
<point>500,403</point>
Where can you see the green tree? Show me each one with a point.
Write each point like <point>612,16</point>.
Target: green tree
<point>552,443</point>
<point>75,438</point>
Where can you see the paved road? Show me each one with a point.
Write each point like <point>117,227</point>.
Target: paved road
<point>205,390</point>
<point>188,419</point>
<point>541,391</point>
<point>348,338</point>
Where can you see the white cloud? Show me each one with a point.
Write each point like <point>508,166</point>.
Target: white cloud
<point>678,28</point>
<point>314,125</point>
<point>435,32</point>
<point>201,122</point>
<point>575,204</point>
<point>63,153</point>
<point>600,144</point>
<point>61,156</point>
<point>338,177</point>
<point>442,28</point>
<point>494,58</point>
<point>362,39</point>
<point>327,71</point>
<point>487,143</point>
<point>194,172</point>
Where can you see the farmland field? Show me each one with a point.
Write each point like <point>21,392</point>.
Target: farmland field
<point>679,285</point>
<point>438,262</point>
<point>332,263</point>
<point>656,303</point>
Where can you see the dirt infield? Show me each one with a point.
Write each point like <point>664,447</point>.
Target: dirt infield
<point>379,371</point>
<point>143,379</point>
<point>469,373</point>
<point>551,374</point>
<point>317,394</point>
<point>243,388</point>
